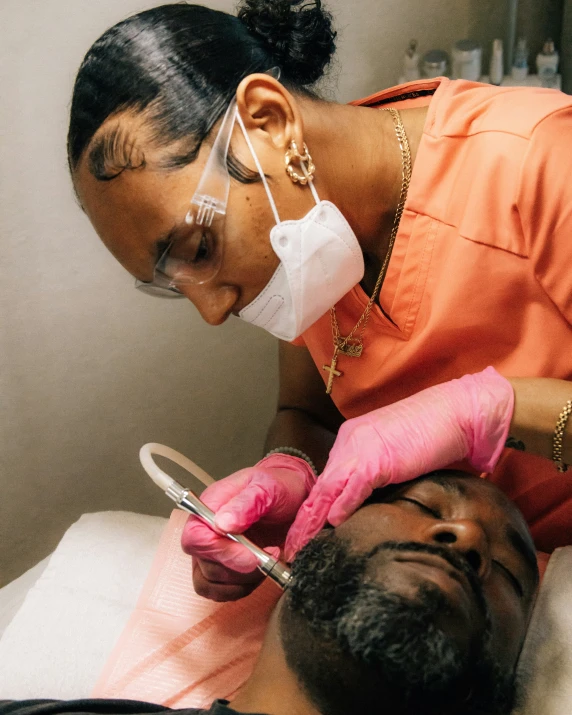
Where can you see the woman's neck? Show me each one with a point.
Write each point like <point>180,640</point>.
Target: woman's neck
<point>359,168</point>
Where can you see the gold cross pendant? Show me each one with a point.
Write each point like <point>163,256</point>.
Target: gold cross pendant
<point>333,372</point>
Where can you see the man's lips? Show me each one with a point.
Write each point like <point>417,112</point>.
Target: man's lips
<point>442,564</point>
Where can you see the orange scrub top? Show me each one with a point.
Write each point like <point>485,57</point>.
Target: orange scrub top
<point>481,269</point>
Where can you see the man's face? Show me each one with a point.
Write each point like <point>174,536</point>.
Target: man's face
<point>473,526</point>
<point>431,583</point>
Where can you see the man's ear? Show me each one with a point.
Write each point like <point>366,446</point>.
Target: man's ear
<point>269,111</point>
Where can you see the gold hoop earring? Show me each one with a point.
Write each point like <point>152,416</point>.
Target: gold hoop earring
<point>293,155</point>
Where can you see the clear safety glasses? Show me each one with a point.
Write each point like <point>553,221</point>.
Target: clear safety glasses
<point>194,256</point>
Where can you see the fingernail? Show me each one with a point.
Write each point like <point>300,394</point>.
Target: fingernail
<point>335,519</point>
<point>224,522</point>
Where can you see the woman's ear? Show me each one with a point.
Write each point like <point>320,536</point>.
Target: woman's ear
<point>268,109</point>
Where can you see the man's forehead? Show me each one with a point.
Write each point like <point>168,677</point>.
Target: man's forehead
<point>468,487</point>
<point>464,486</point>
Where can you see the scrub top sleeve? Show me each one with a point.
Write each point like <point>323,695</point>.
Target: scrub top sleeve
<point>544,203</point>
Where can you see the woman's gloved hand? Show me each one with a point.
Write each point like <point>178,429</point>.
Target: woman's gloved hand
<point>264,500</point>
<point>467,418</point>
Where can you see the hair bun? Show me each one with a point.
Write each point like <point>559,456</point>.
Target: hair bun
<point>298,33</point>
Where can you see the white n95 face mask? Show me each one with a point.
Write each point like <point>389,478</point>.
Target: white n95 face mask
<point>320,261</point>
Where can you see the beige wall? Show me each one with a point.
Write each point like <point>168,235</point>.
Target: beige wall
<point>90,370</point>
<point>375,33</point>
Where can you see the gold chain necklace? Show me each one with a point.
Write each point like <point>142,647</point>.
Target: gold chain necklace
<point>352,345</point>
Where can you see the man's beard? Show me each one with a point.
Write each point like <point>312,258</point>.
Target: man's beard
<point>356,647</point>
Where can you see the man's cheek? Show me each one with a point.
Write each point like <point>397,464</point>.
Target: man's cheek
<point>508,626</point>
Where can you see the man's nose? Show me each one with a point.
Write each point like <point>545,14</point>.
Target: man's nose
<point>467,538</point>
<point>214,303</point>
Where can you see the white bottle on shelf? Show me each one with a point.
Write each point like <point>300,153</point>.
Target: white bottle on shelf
<point>411,63</point>
<point>466,60</point>
<point>519,70</point>
<point>547,65</point>
<point>496,70</point>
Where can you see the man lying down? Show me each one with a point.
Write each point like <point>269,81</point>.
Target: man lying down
<point>418,604</point>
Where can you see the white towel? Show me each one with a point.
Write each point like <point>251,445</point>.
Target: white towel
<point>13,594</point>
<point>60,639</point>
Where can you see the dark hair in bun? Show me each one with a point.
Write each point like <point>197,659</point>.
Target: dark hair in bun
<point>298,33</point>
<point>181,65</point>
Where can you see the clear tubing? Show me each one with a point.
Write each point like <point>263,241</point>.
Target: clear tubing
<point>161,479</point>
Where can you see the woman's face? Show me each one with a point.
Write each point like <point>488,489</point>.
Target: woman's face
<point>136,212</point>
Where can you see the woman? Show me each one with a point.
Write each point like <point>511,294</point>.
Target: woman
<point>399,251</point>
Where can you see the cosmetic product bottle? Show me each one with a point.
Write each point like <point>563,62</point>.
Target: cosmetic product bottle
<point>435,64</point>
<point>496,69</point>
<point>411,63</point>
<point>466,60</point>
<point>547,64</point>
<point>519,71</point>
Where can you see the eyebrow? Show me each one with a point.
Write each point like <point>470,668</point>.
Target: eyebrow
<point>450,484</point>
<point>387,494</point>
<point>160,244</point>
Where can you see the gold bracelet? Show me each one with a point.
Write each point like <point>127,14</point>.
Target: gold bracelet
<point>559,436</point>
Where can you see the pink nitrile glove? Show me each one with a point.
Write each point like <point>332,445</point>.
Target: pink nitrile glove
<point>468,418</point>
<point>266,497</point>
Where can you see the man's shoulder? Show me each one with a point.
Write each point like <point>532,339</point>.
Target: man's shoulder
<point>89,706</point>
<point>86,705</point>
<point>103,707</point>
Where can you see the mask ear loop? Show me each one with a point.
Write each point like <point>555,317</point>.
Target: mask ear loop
<point>262,176</point>
<point>310,183</point>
